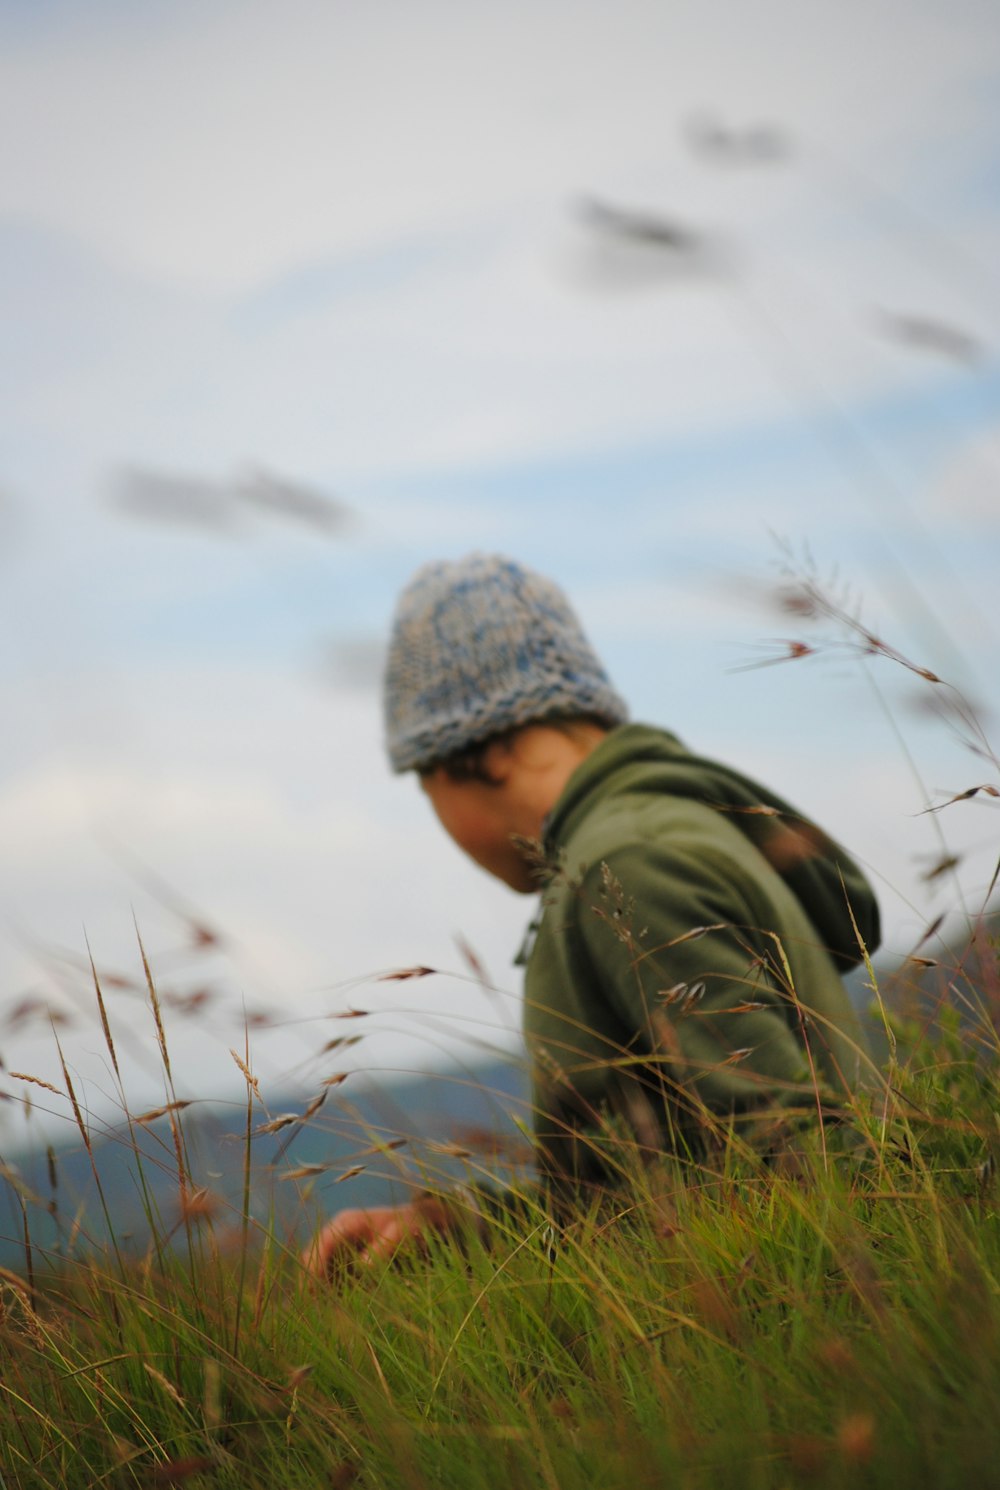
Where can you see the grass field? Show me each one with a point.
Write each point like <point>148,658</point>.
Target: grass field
<point>835,1322</point>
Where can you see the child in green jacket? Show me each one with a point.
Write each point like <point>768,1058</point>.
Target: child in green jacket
<point>684,972</point>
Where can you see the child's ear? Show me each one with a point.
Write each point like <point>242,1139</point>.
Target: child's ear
<point>498,760</point>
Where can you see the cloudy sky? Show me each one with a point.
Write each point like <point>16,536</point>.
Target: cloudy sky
<point>657,298</point>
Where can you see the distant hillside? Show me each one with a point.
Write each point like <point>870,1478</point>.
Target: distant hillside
<point>441,1125</point>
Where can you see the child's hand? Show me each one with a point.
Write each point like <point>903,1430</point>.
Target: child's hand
<point>367,1236</point>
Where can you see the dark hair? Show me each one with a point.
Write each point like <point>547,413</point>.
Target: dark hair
<point>469,764</point>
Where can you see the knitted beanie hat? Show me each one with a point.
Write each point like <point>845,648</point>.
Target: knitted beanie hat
<point>477,647</point>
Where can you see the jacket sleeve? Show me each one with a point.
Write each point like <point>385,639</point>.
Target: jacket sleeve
<point>669,940</point>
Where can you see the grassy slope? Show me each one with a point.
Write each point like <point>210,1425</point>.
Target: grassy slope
<point>836,1326</point>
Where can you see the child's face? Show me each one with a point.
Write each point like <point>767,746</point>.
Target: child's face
<point>480,817</point>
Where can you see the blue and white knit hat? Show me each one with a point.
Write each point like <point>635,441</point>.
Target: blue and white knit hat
<point>477,647</point>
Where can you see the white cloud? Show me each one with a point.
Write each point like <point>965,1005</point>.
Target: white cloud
<point>292,842</point>
<point>967,487</point>
<point>378,272</point>
<point>220,144</point>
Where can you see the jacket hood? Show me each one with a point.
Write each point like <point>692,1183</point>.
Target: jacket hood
<point>826,880</point>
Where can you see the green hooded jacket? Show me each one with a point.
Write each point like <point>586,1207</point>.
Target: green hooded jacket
<point>687,961</point>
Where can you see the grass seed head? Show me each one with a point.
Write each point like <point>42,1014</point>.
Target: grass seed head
<point>836,1355</point>
<point>856,1437</point>
<point>36,1080</point>
<point>199,1205</point>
